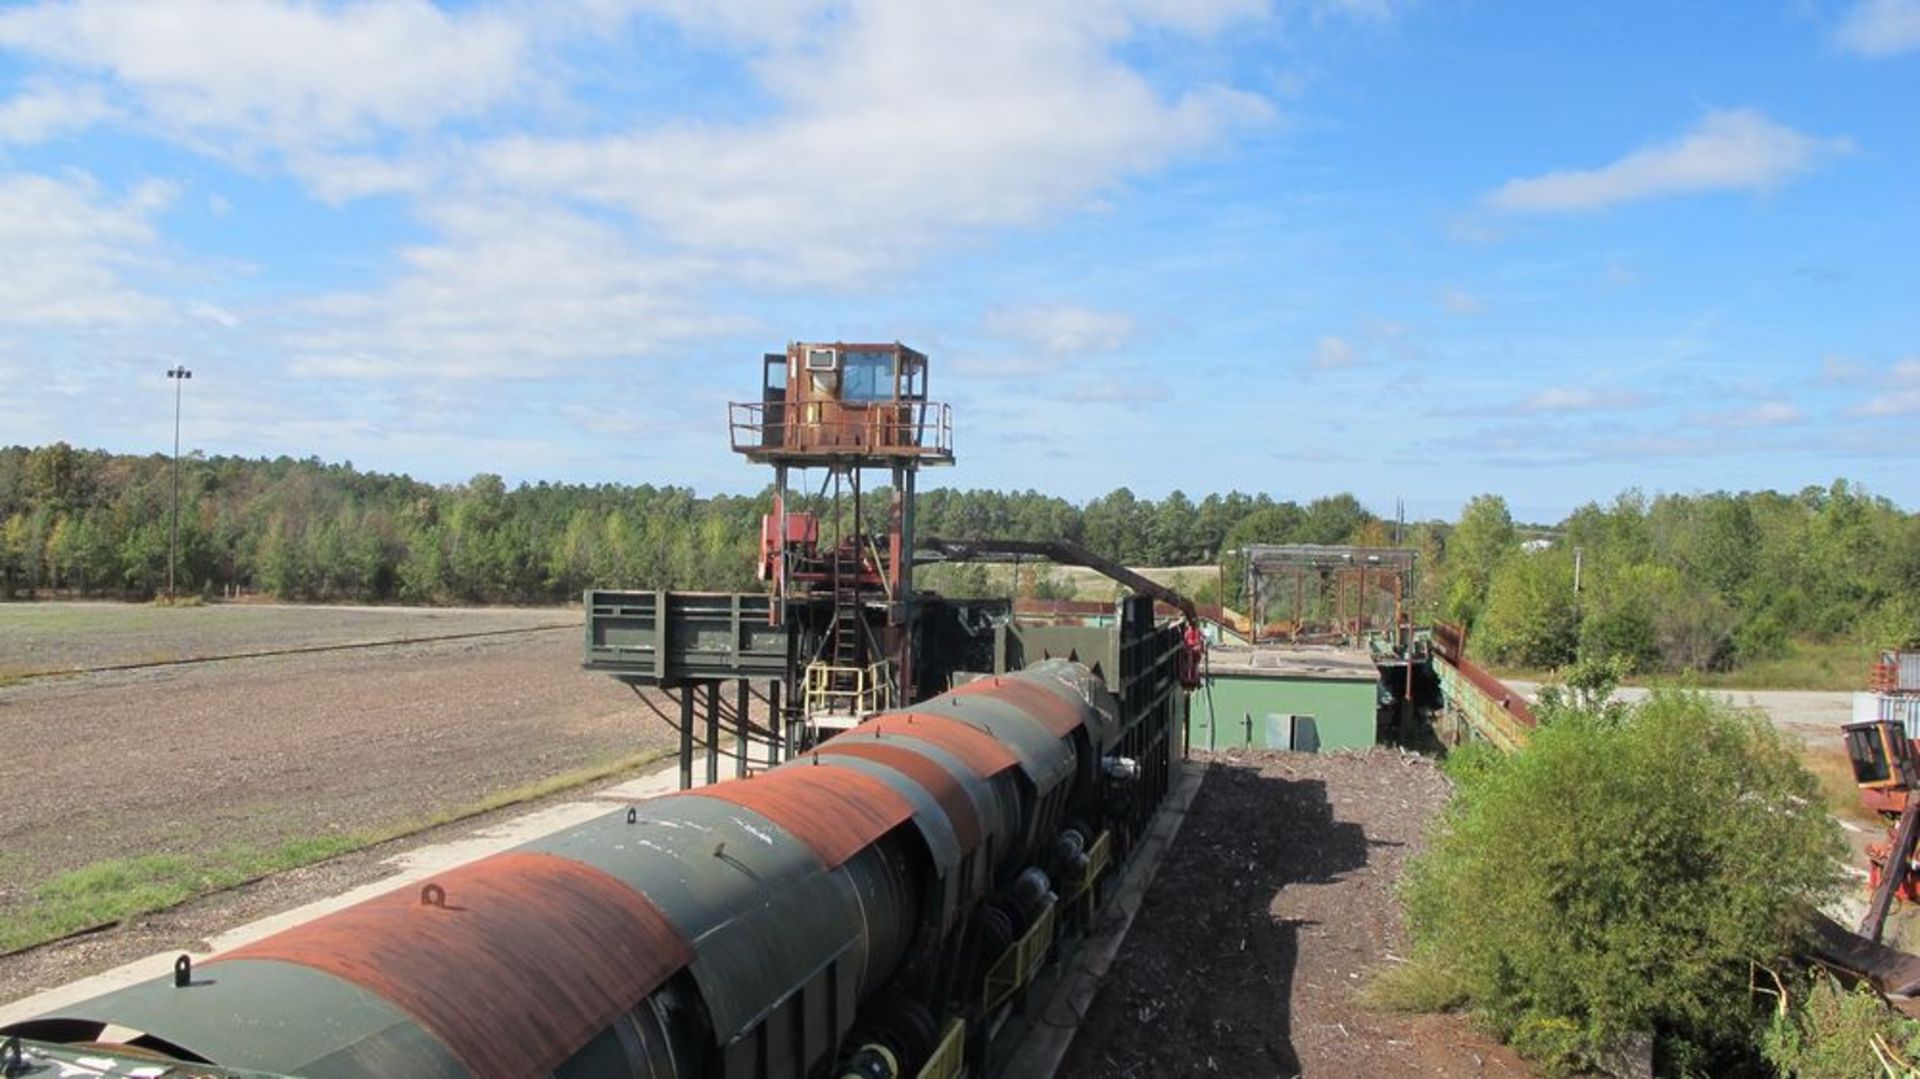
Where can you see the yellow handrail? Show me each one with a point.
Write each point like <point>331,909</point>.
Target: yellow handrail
<point>871,689</point>
<point>1020,962</point>
<point>949,1056</point>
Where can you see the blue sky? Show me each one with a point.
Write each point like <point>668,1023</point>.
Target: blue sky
<point>1404,248</point>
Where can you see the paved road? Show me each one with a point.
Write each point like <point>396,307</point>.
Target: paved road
<point>1813,715</point>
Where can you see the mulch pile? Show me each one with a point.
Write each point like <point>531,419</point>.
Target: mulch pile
<point>1272,910</point>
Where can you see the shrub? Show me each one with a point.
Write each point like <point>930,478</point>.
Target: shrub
<point>1621,874</point>
<point>1826,1032</point>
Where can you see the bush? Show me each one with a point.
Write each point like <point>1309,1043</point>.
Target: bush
<point>1761,636</point>
<point>1585,690</point>
<point>1825,1032</point>
<point>1895,623</point>
<point>1621,874</point>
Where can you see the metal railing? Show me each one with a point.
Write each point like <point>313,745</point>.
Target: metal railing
<point>1099,857</point>
<point>949,1057</point>
<point>1019,963</point>
<point>881,428</point>
<point>848,691</point>
<point>1483,707</point>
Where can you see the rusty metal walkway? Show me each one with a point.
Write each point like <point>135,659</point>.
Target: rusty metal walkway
<point>1479,707</point>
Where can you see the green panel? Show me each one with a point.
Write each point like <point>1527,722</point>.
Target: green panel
<point>1344,713</point>
<point>664,638</point>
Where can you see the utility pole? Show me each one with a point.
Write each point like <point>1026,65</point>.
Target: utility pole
<point>179,374</point>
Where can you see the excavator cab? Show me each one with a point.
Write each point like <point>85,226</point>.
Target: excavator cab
<point>1881,755</point>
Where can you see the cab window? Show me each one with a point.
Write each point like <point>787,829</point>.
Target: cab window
<point>866,376</point>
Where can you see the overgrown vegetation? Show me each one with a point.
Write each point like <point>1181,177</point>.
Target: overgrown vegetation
<point>1823,1031</point>
<point>1621,874</point>
<point>1703,583</point>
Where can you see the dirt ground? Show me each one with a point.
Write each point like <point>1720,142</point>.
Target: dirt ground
<point>189,926</point>
<point>256,753</point>
<point>1273,908</point>
<point>37,637</point>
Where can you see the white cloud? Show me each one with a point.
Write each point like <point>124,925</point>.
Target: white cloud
<point>1838,370</point>
<point>215,314</point>
<point>69,246</point>
<point>1579,399</point>
<point>512,290</point>
<point>996,365</point>
<point>1064,330</point>
<point>1901,402</point>
<point>910,125</point>
<point>46,111</point>
<point>1130,390</point>
<point>1728,150</point>
<point>1461,302</point>
<point>1899,387</point>
<point>787,23</point>
<point>234,77</point>
<point>1881,27</point>
<point>341,177</point>
<point>1761,414</point>
<point>1335,354</point>
<point>1366,10</point>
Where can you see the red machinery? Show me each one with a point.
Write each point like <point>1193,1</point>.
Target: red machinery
<point>1886,767</point>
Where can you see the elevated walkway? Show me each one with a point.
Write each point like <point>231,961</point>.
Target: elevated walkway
<point>1479,707</point>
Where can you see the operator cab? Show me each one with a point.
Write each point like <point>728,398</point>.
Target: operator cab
<point>1881,755</point>
<point>844,400</point>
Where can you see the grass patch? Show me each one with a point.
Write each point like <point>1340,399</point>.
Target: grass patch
<point>1419,986</point>
<point>1834,666</point>
<point>1835,773</point>
<point>113,891</point>
<point>194,600</point>
<point>99,893</point>
<point>1824,665</point>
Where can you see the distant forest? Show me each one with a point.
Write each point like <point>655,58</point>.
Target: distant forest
<point>1669,582</point>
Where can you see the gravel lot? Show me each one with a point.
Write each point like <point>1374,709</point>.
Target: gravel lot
<point>1272,909</point>
<point>251,754</point>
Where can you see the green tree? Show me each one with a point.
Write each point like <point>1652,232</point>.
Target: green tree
<point>1529,617</point>
<point>15,553</point>
<point>1333,519</point>
<point>1482,540</point>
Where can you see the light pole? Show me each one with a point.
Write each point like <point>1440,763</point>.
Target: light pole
<point>179,374</point>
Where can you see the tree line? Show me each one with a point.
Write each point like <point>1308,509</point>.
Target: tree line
<point>1673,581</point>
<point>1685,582</point>
<point>90,523</point>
